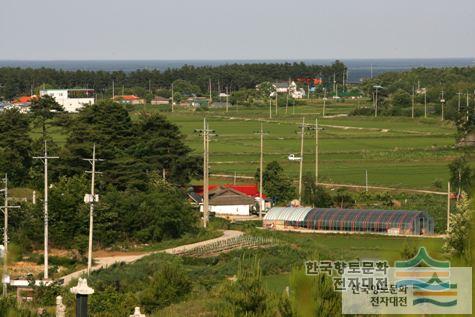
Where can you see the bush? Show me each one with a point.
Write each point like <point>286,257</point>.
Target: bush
<point>169,285</point>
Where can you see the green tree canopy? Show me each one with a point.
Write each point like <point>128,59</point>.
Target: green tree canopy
<point>15,146</point>
<point>276,184</point>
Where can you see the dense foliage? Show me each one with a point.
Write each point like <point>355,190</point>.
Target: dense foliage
<point>15,146</point>
<point>425,85</point>
<point>457,241</point>
<point>17,81</point>
<point>145,169</point>
<point>276,184</point>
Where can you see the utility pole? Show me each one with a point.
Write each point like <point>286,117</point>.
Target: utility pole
<point>205,172</point>
<point>301,158</point>
<point>45,159</point>
<point>442,105</point>
<point>173,99</point>
<point>324,100</point>
<point>413,101</point>
<point>316,150</point>
<point>227,100</point>
<point>366,180</point>
<point>459,99</point>
<point>425,103</point>
<point>92,198</point>
<point>113,90</point>
<point>276,102</point>
<point>467,104</point>
<point>270,108</point>
<point>206,133</point>
<point>334,81</point>
<point>210,96</point>
<point>5,208</point>
<point>287,102</point>
<point>448,206</point>
<point>376,87</point>
<point>376,104</point>
<point>261,170</point>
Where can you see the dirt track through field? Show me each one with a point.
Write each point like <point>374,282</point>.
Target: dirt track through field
<point>103,262</point>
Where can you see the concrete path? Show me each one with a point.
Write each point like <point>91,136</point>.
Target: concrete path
<point>103,262</point>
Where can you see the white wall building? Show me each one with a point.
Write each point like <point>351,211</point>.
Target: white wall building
<point>71,99</point>
<point>228,201</point>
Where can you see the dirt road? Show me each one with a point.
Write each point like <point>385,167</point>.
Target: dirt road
<point>103,262</point>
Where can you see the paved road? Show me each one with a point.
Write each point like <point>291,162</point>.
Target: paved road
<point>104,262</point>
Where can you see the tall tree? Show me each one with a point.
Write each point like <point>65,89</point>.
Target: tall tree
<point>457,241</point>
<point>314,195</point>
<point>276,184</point>
<point>110,127</point>
<point>43,109</point>
<point>460,174</point>
<point>15,146</point>
<point>160,145</point>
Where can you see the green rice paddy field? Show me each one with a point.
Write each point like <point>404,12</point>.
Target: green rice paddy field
<point>397,151</point>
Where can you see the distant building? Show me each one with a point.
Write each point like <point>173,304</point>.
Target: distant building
<point>129,100</point>
<point>242,200</point>
<point>281,87</point>
<point>228,201</point>
<point>290,88</point>
<point>72,100</point>
<point>158,100</point>
<point>23,103</point>
<point>198,101</point>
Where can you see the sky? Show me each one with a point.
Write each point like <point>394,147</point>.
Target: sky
<point>240,29</point>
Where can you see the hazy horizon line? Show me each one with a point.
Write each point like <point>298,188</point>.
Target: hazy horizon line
<point>234,59</point>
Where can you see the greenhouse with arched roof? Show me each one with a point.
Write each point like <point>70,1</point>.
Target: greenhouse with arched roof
<point>404,222</point>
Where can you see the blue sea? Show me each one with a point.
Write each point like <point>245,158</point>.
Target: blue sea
<point>358,68</point>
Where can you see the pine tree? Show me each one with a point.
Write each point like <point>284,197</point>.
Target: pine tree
<point>457,241</point>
